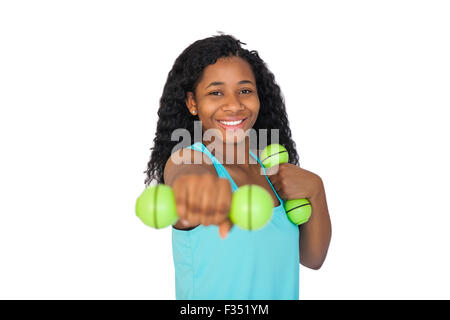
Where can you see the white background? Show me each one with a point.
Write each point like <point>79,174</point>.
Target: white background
<point>366,85</point>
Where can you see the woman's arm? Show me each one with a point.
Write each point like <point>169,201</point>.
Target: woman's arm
<point>315,235</point>
<point>293,182</point>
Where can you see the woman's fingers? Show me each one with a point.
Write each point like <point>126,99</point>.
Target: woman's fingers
<point>193,215</point>
<point>223,206</point>
<point>180,192</point>
<point>223,200</point>
<point>204,199</point>
<point>207,200</point>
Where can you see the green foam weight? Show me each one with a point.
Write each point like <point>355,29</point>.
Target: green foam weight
<point>274,154</point>
<point>298,210</point>
<point>156,206</point>
<point>251,207</point>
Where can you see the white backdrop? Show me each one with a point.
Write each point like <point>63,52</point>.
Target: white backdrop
<point>366,85</point>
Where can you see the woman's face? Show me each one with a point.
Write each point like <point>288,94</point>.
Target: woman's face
<point>226,92</point>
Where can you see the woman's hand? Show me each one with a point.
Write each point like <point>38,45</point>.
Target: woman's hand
<point>293,182</point>
<point>203,199</point>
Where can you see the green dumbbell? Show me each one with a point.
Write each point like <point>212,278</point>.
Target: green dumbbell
<point>298,210</point>
<point>251,207</point>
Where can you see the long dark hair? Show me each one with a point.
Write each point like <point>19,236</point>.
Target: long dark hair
<point>184,76</point>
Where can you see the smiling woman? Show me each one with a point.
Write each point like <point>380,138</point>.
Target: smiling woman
<point>187,71</point>
<point>229,104</point>
<point>229,90</point>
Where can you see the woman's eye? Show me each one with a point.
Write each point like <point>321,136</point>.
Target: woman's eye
<point>214,92</point>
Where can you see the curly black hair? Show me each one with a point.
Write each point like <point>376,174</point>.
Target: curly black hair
<point>185,75</point>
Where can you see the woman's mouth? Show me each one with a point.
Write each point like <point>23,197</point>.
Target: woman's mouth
<point>232,125</point>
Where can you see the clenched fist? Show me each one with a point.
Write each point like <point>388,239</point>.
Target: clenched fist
<point>203,199</point>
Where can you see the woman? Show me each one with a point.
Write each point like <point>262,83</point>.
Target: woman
<point>228,89</point>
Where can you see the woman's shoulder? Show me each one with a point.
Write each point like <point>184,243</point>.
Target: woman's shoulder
<point>187,160</point>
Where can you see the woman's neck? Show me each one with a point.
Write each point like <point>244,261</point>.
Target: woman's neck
<point>232,154</point>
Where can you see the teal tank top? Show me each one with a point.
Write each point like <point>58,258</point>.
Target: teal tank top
<point>246,265</point>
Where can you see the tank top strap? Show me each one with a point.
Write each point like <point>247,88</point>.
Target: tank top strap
<point>221,171</point>
<point>264,170</point>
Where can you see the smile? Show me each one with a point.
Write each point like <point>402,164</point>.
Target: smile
<point>232,124</point>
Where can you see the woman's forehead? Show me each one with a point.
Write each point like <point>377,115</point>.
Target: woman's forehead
<point>228,70</point>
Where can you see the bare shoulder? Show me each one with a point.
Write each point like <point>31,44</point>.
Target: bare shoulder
<point>187,161</point>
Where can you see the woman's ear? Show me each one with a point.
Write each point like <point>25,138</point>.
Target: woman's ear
<point>190,103</point>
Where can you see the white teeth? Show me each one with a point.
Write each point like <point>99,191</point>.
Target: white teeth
<point>231,123</point>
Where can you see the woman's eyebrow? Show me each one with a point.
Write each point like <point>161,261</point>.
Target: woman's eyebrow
<point>218,83</point>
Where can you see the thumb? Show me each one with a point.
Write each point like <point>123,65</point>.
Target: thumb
<point>224,228</point>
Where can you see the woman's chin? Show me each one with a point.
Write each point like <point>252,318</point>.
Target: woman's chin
<point>234,140</point>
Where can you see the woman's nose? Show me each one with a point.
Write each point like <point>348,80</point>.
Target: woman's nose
<point>233,103</point>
